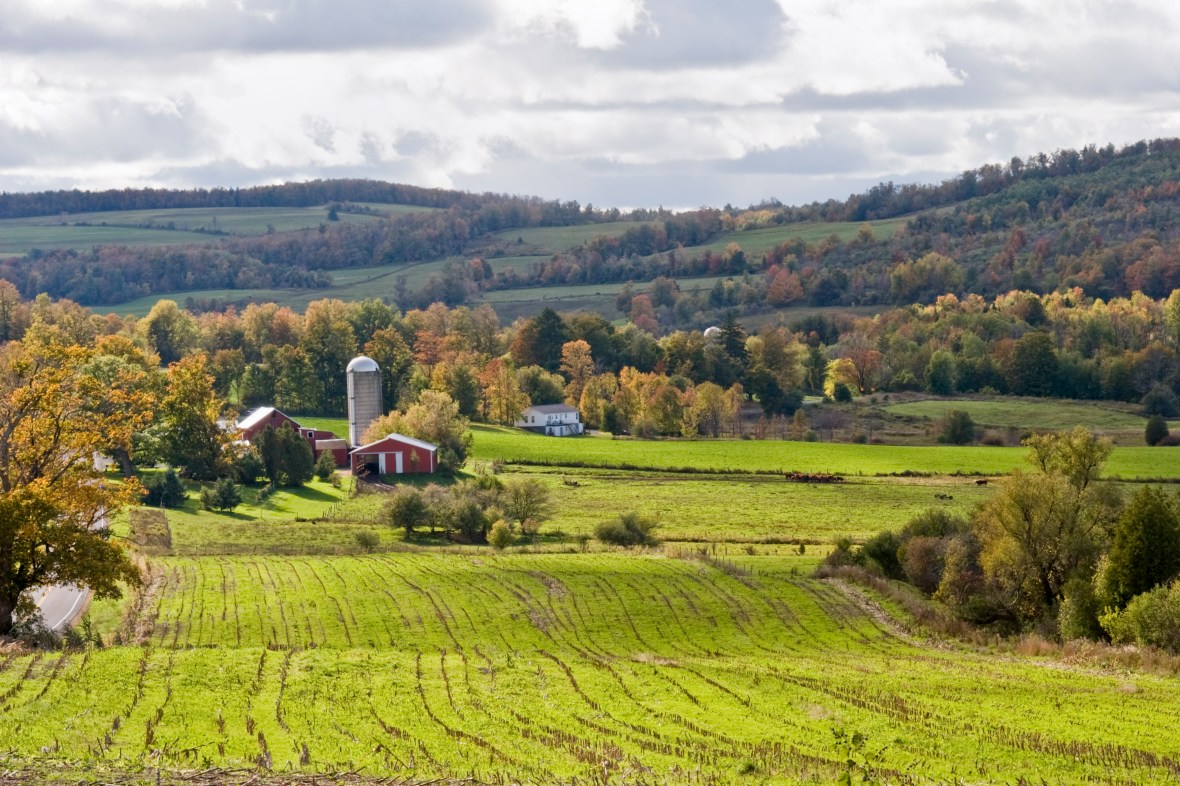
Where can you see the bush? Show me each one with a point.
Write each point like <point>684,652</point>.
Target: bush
<point>842,393</point>
<point>368,541</point>
<point>1161,400</point>
<point>881,551</point>
<point>325,465</point>
<point>1156,430</point>
<point>956,428</point>
<point>1151,619</point>
<point>163,490</point>
<point>247,467</point>
<point>222,495</point>
<point>629,529</point>
<point>500,536</point>
<point>810,435</point>
<point>993,438</point>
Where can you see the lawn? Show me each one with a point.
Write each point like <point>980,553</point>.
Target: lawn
<point>747,456</point>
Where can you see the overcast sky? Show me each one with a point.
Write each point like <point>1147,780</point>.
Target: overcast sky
<point>623,103</point>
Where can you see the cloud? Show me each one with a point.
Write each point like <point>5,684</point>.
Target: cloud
<point>619,102</point>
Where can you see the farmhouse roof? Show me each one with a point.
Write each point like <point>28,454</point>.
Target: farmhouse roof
<point>256,417</point>
<point>552,409</point>
<point>400,438</point>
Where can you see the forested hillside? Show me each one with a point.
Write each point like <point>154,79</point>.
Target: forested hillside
<point>1100,220</point>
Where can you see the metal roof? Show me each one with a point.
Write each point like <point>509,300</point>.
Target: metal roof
<point>256,417</point>
<point>400,438</point>
<point>551,409</point>
<point>362,364</point>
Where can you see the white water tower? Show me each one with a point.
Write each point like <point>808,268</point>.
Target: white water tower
<point>364,397</point>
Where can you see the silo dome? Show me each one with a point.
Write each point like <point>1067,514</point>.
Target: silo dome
<point>362,363</point>
<point>364,396</point>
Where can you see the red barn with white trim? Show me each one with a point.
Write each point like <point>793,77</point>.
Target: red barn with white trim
<point>396,454</point>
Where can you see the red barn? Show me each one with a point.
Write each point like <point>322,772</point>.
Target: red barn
<point>318,439</point>
<point>396,454</point>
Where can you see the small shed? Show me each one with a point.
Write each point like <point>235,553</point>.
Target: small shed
<point>554,420</point>
<point>337,447</point>
<point>396,454</point>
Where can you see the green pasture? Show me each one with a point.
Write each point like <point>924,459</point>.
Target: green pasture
<point>1027,413</point>
<point>169,226</point>
<point>556,668</point>
<point>548,241</point>
<point>744,508</point>
<point>17,240</point>
<point>748,456</point>
<point>756,242</point>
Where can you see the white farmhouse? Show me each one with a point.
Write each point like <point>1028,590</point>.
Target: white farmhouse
<point>554,420</point>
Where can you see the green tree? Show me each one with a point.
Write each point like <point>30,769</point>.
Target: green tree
<point>956,428</point>
<point>1146,548</point>
<point>187,423</point>
<point>222,495</point>
<point>1032,368</point>
<point>527,502</point>
<point>288,459</point>
<point>1043,528</point>
<point>163,490</point>
<point>539,341</point>
<point>169,330</point>
<point>629,529</point>
<point>330,343</point>
<point>325,465</point>
<point>407,509</point>
<point>1156,430</point>
<point>940,373</point>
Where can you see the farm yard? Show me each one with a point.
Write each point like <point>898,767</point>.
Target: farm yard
<point>559,667</point>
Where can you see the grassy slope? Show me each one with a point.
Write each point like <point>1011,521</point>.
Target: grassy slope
<point>1027,414</point>
<point>554,667</point>
<point>166,227</point>
<point>773,456</point>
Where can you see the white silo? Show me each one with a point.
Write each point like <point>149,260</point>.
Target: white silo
<point>364,396</point>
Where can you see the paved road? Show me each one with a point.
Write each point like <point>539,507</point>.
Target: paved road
<point>60,605</point>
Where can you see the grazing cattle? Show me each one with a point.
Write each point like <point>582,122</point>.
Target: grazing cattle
<point>981,482</point>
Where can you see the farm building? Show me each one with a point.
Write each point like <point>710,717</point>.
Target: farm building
<point>554,420</point>
<point>396,454</point>
<point>318,439</point>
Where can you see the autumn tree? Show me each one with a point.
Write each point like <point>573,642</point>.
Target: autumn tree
<point>54,506</point>
<point>503,399</point>
<point>578,366</point>
<point>1044,528</point>
<point>187,422</point>
<point>434,418</point>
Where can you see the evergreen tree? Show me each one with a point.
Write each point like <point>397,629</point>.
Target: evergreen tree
<point>1146,548</point>
<point>1156,430</point>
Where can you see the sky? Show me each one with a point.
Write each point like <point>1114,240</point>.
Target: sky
<point>616,103</point>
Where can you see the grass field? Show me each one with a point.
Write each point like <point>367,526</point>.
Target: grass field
<point>512,445</point>
<point>1027,413</point>
<point>168,227</point>
<point>547,241</point>
<point>700,508</point>
<point>547,668</point>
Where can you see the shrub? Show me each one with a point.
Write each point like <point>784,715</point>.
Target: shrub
<point>222,495</point>
<point>1161,400</point>
<point>956,428</point>
<point>1156,430</point>
<point>368,541</point>
<point>993,438</point>
<point>163,490</point>
<point>629,529</point>
<point>842,393</point>
<point>247,467</point>
<point>500,536</point>
<point>325,465</point>
<point>810,435</point>
<point>923,560</point>
<point>1150,619</point>
<point>881,551</point>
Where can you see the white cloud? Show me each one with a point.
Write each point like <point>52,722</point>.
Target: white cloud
<point>682,101</point>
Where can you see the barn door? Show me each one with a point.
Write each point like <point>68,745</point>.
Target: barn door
<point>400,468</point>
